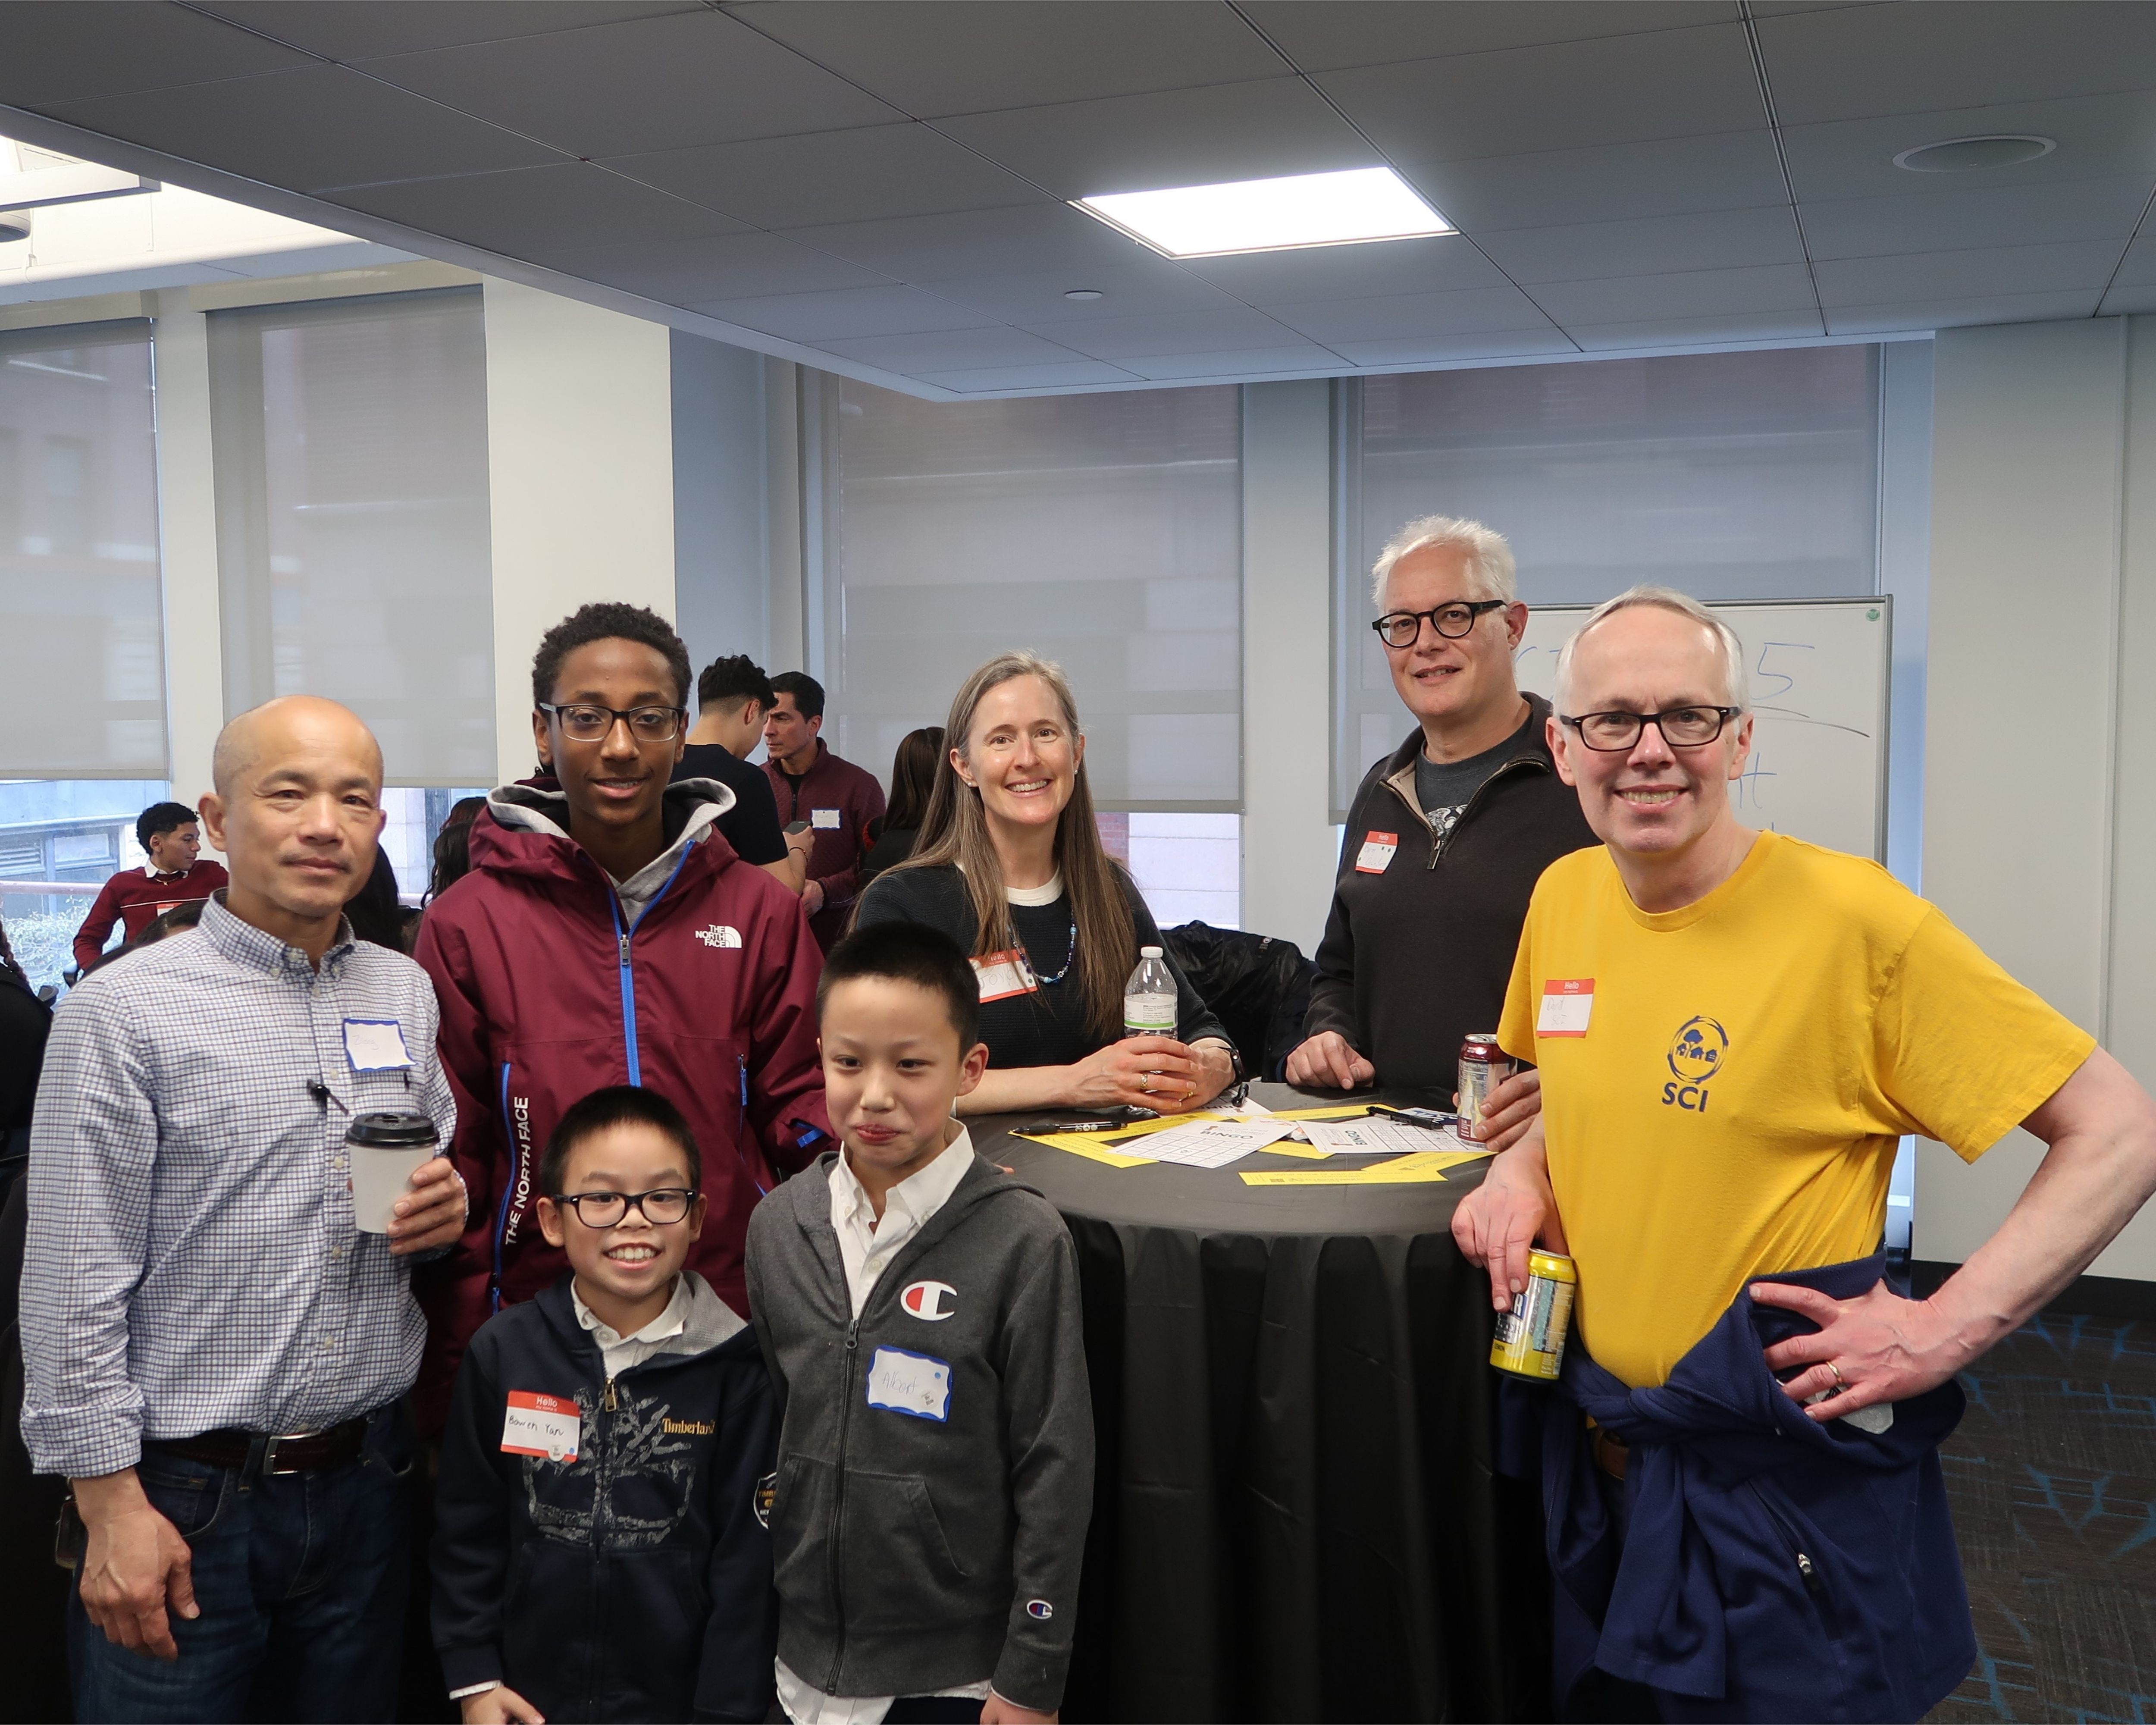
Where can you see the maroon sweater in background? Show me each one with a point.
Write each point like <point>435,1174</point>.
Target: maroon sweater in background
<point>849,799</point>
<point>132,897</point>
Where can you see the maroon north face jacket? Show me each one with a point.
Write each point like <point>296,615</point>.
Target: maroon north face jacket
<point>550,989</point>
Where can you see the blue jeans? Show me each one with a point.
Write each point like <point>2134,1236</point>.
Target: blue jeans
<point>301,1578</point>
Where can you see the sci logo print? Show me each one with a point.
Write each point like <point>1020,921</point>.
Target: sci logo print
<point>930,1301</point>
<point>1696,1054</point>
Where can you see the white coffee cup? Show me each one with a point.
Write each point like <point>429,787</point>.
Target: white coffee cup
<point>385,1150</point>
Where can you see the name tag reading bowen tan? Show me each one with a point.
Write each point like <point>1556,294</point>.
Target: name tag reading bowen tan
<point>1003,974</point>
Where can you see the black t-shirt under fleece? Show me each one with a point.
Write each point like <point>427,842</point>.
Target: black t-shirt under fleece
<point>1047,1027</point>
<point>752,824</point>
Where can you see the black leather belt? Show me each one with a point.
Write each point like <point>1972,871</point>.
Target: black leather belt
<point>297,1452</point>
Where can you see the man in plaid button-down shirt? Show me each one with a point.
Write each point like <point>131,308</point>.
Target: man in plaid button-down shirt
<point>195,1286</point>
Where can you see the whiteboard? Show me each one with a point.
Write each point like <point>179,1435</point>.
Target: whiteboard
<point>1820,677</point>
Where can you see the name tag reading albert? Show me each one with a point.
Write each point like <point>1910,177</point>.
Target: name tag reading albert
<point>915,1384</point>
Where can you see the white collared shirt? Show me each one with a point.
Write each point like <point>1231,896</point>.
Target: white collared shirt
<point>866,1245</point>
<point>620,1353</point>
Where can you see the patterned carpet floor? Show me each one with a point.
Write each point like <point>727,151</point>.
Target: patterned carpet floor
<point>2053,1479</point>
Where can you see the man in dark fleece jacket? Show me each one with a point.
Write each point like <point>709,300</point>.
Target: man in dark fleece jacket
<point>1445,838</point>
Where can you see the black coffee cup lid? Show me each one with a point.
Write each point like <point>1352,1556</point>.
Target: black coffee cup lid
<point>391,1129</point>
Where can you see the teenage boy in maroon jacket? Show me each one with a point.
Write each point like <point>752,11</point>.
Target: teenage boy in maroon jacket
<point>607,934</point>
<point>171,837</point>
<point>837,798</point>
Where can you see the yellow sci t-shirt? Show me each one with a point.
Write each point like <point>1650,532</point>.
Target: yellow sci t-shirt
<point>1722,1085</point>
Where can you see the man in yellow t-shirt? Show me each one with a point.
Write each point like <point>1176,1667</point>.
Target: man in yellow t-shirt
<point>1733,1027</point>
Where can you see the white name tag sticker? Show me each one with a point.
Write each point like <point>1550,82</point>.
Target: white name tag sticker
<point>915,1384</point>
<point>376,1045</point>
<point>823,820</point>
<point>1003,974</point>
<point>1567,1003</point>
<point>1376,852</point>
<point>544,1425</point>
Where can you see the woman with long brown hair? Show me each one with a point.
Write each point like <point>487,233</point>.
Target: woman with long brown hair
<point>912,783</point>
<point>1010,865</point>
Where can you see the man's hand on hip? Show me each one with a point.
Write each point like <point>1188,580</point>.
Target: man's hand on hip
<point>1511,1109</point>
<point>431,1213</point>
<point>1876,1348</point>
<point>134,1567</point>
<point>1498,1222</point>
<point>1326,1061</point>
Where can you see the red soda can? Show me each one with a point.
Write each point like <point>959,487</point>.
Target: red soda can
<point>1483,1066</point>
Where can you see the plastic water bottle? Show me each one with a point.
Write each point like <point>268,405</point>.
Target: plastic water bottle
<point>1149,997</point>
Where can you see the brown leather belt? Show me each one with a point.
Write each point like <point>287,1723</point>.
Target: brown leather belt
<point>1609,1455</point>
<point>301,1452</point>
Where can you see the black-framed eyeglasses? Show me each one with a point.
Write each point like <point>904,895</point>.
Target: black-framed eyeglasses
<point>662,1208</point>
<point>581,723</point>
<point>1404,628</point>
<point>1683,728</point>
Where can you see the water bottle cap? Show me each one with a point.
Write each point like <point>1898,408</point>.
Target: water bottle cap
<point>1149,951</point>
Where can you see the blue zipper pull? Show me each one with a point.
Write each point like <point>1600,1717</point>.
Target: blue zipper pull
<point>742,1061</point>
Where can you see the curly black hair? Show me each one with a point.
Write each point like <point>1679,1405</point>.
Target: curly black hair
<point>607,620</point>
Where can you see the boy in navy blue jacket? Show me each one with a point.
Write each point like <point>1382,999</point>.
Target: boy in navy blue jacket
<point>600,1551</point>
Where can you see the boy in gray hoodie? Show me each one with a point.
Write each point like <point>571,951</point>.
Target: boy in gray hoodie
<point>919,1311</point>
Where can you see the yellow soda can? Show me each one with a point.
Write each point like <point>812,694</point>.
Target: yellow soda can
<point>1530,1338</point>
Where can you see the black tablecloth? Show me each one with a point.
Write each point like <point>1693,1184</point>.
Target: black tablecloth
<point>1295,1517</point>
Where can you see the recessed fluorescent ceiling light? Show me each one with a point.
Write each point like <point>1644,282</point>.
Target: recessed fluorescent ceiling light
<point>1351,208</point>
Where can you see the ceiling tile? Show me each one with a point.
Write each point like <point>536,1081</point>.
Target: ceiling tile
<point>936,57</point>
<point>1568,95</point>
<point>827,177</point>
<point>1169,367</point>
<point>1351,272</point>
<point>1327,35</point>
<point>951,350</point>
<point>1968,275</point>
<point>522,209</point>
<point>1182,137</point>
<point>1720,240</point>
<point>2099,137</point>
<point>1122,339</point>
<point>2139,268</point>
<point>1868,60</point>
<point>989,379</point>
<point>1687,331</point>
<point>1438,349</point>
<point>687,272</point>
<point>651,84</point>
<point>844,312</point>
<point>1693,293</point>
<point>2127,298</point>
<point>1552,188</point>
<point>309,131</point>
<point>1037,297</point>
<point>1952,218</point>
<point>1396,316</point>
<point>52,58</point>
<point>360,29</point>
<point>980,242</point>
<point>1899,316</point>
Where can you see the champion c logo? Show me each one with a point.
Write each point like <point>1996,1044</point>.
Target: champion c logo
<point>930,1301</point>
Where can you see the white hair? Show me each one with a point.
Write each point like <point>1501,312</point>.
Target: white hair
<point>1489,556</point>
<point>1664,599</point>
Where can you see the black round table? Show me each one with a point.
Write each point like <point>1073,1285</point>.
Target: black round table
<point>1294,1517</point>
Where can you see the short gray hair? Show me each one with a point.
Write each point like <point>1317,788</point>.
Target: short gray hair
<point>1738,684</point>
<point>1489,556</point>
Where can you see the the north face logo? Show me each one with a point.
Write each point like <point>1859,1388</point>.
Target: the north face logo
<point>719,935</point>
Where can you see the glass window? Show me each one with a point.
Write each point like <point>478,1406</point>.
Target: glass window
<point>1103,531</point>
<point>1730,475</point>
<point>353,529</point>
<point>82,656</point>
<point>59,841</point>
<point>415,818</point>
<point>1189,868</point>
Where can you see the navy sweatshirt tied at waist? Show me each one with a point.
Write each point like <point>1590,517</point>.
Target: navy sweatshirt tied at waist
<point>1771,1566</point>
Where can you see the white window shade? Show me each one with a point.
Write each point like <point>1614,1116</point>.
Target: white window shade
<point>1729,476</point>
<point>352,531</point>
<point>1103,531</point>
<point>82,655</point>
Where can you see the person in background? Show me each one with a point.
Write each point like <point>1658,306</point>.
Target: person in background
<point>375,912</point>
<point>1445,837</point>
<point>182,916</point>
<point>1011,867</point>
<point>607,934</point>
<point>171,837</point>
<point>837,798</point>
<point>215,1354</point>
<point>25,1022</point>
<point>733,697</point>
<point>912,778</point>
<point>1747,1514</point>
<point>452,848</point>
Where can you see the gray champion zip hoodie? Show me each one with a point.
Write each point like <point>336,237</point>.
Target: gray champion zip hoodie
<point>935,1461</point>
